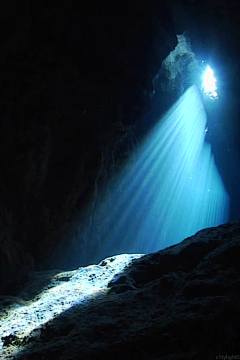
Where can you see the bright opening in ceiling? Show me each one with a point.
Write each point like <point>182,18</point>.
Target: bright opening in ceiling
<point>209,83</point>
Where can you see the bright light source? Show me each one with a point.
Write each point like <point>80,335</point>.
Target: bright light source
<point>209,83</point>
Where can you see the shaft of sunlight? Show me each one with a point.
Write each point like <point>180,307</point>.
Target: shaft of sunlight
<point>170,190</point>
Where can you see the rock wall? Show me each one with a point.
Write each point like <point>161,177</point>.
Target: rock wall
<point>74,80</point>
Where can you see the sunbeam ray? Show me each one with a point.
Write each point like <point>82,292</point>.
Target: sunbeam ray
<point>172,190</point>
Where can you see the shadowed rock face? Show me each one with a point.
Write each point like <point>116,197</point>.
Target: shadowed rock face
<point>72,78</point>
<point>178,303</point>
<point>75,80</point>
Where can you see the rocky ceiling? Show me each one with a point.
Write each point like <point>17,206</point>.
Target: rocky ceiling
<point>75,79</point>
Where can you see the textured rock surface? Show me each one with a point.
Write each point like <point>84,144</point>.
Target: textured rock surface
<point>179,303</point>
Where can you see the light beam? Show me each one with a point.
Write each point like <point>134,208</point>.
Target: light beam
<point>170,190</point>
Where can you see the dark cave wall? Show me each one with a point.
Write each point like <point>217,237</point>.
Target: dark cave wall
<point>76,78</point>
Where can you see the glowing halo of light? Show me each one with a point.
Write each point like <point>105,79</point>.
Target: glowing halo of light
<point>209,83</point>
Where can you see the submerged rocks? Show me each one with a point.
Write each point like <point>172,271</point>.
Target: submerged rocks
<point>178,303</point>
